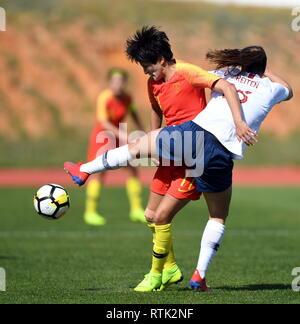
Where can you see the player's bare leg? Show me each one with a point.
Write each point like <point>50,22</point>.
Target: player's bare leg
<point>153,203</point>
<point>167,209</point>
<point>145,146</point>
<point>218,206</point>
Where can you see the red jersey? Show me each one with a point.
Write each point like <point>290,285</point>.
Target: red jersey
<point>112,108</point>
<point>181,98</point>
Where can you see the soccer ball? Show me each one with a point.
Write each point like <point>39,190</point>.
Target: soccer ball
<point>51,201</point>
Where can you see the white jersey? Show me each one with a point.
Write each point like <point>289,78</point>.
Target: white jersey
<point>258,96</point>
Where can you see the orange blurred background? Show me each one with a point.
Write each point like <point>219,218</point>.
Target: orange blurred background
<point>54,58</point>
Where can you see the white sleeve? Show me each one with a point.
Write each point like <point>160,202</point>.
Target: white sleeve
<point>279,92</point>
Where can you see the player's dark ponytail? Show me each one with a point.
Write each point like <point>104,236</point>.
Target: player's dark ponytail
<point>252,59</point>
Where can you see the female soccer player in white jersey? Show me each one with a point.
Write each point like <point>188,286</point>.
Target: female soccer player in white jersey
<point>214,135</point>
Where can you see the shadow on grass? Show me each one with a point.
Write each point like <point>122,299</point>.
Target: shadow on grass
<point>261,287</point>
<point>131,289</point>
<point>256,287</point>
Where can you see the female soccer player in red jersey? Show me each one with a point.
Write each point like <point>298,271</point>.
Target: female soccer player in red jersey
<point>177,93</point>
<point>113,105</point>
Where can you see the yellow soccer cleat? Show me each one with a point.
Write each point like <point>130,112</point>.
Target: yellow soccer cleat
<point>94,219</point>
<point>138,216</point>
<point>171,277</point>
<point>152,282</point>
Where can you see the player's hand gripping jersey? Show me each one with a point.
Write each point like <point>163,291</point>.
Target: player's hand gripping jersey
<point>258,96</point>
<point>181,99</point>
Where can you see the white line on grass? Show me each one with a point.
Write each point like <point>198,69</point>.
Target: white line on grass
<point>135,233</point>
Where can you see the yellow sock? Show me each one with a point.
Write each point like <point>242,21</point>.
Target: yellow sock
<point>152,227</point>
<point>162,245</point>
<point>170,261</point>
<point>93,195</point>
<point>134,192</point>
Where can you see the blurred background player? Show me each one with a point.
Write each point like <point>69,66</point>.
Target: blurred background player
<point>113,105</point>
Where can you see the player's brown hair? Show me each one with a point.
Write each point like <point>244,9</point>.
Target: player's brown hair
<point>252,59</point>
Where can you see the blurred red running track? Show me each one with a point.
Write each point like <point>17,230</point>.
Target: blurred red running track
<point>243,176</point>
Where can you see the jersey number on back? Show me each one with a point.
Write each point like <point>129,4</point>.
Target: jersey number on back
<point>243,95</point>
<point>244,98</point>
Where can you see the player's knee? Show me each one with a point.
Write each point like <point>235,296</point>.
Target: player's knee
<point>161,217</point>
<point>149,215</point>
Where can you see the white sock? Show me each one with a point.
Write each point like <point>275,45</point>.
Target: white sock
<point>211,240</point>
<point>113,159</point>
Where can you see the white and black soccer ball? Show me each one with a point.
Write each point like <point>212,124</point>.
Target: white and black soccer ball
<point>51,201</point>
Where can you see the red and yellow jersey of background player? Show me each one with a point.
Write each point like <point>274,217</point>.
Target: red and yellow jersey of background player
<point>113,109</point>
<point>182,98</point>
<point>109,108</point>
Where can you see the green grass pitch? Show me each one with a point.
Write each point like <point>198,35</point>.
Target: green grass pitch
<point>66,261</point>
